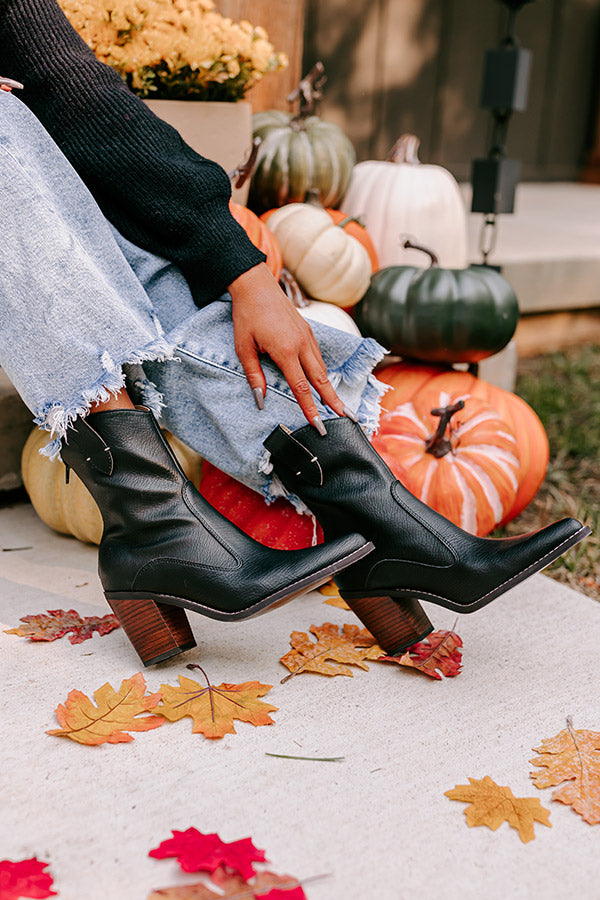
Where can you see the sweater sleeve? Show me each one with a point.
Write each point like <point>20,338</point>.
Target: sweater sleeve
<point>149,183</point>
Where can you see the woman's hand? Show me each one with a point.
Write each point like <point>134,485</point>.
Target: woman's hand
<point>265,321</point>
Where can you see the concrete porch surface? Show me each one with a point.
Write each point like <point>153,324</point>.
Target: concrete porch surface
<point>549,249</point>
<point>378,822</point>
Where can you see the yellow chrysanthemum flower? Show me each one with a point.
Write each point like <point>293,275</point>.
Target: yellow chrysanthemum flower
<point>175,48</point>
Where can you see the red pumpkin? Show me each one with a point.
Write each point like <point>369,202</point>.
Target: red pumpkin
<point>260,236</point>
<point>423,385</point>
<point>276,525</point>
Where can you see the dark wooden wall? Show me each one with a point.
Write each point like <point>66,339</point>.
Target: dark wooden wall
<point>416,65</point>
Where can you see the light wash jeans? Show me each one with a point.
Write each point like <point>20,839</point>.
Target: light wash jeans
<point>84,312</point>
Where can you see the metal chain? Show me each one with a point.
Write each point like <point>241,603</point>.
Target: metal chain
<point>488,236</point>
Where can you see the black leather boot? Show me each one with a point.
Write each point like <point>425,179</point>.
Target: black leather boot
<point>419,555</point>
<point>165,549</point>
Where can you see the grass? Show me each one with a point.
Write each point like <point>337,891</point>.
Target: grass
<point>564,390</point>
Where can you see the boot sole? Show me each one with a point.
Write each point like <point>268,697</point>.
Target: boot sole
<point>309,582</point>
<point>405,594</point>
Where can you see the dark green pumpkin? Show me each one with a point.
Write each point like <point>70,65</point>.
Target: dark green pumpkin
<point>439,315</point>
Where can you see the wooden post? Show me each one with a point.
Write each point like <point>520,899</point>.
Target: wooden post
<point>283,20</point>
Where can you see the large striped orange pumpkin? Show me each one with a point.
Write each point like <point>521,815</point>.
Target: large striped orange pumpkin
<point>485,491</point>
<point>260,235</point>
<point>277,525</point>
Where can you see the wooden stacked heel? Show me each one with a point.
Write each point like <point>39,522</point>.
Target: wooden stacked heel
<point>157,631</point>
<point>395,624</point>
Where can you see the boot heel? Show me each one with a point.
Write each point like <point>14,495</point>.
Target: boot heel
<point>395,624</point>
<point>156,630</point>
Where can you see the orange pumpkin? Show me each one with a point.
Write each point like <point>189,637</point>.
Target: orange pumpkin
<point>277,525</point>
<point>260,236</point>
<point>426,386</point>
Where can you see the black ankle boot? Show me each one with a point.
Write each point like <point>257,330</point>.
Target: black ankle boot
<point>164,548</point>
<point>419,555</point>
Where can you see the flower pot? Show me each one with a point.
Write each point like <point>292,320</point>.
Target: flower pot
<point>217,130</point>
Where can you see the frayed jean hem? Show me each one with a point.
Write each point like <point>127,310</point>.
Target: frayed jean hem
<point>56,417</point>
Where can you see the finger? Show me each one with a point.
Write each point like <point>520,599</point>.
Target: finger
<point>299,384</point>
<point>248,356</point>
<point>316,371</point>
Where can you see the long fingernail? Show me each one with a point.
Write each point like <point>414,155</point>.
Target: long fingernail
<point>350,415</point>
<point>318,423</point>
<point>258,397</point>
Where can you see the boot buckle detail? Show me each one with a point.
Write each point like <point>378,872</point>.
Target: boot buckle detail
<point>291,453</point>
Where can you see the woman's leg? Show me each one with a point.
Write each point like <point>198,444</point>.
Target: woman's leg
<point>71,311</point>
<point>72,315</point>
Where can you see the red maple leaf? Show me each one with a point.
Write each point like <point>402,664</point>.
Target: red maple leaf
<point>197,852</point>
<point>24,879</point>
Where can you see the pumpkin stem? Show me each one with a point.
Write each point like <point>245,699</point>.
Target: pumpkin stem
<point>349,219</point>
<point>292,289</point>
<point>240,175</point>
<point>309,92</point>
<point>405,150</point>
<point>434,261</point>
<point>438,444</point>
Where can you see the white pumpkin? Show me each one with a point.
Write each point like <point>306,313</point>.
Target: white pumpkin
<point>329,314</point>
<point>329,264</point>
<point>399,198</point>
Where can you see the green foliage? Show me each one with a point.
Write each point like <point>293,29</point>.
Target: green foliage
<point>563,388</point>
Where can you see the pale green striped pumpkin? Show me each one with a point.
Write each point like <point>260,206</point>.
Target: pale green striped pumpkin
<point>298,155</point>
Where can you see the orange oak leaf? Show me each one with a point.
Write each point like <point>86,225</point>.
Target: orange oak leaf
<point>439,652</point>
<point>214,708</point>
<point>572,757</point>
<point>265,886</point>
<point>25,878</point>
<point>492,805</point>
<point>55,623</point>
<point>330,652</point>
<point>114,714</point>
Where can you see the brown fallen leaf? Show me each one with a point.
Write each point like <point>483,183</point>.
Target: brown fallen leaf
<point>439,651</point>
<point>214,708</point>
<point>331,650</point>
<point>113,716</point>
<point>492,805</point>
<point>55,623</point>
<point>573,757</point>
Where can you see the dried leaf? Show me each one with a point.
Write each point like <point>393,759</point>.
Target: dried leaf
<point>330,591</point>
<point>266,886</point>
<point>197,852</point>
<point>24,879</point>
<point>213,709</point>
<point>114,713</point>
<point>439,651</point>
<point>492,805</point>
<point>55,623</point>
<point>574,757</point>
<point>333,648</point>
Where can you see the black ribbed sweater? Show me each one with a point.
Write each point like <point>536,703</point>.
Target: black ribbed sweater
<point>155,189</point>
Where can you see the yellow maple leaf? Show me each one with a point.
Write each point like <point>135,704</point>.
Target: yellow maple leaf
<point>333,651</point>
<point>574,757</point>
<point>114,714</point>
<point>214,708</point>
<point>492,804</point>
